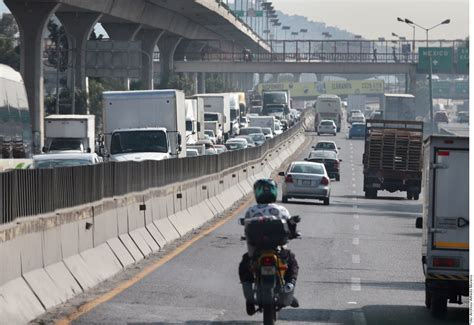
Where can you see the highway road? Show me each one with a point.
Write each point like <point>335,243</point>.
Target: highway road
<point>360,263</point>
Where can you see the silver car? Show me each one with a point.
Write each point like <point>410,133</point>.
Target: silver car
<point>306,180</point>
<point>327,127</point>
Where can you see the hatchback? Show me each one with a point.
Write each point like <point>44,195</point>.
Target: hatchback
<point>306,180</point>
<point>357,130</point>
<point>327,127</point>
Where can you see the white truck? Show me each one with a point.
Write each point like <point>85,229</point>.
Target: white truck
<point>69,133</point>
<point>194,120</point>
<point>263,122</point>
<point>217,109</point>
<point>144,125</point>
<point>445,221</point>
<point>356,102</point>
<point>234,107</point>
<point>328,107</point>
<point>214,127</point>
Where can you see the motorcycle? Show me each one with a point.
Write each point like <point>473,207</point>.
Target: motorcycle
<point>270,292</point>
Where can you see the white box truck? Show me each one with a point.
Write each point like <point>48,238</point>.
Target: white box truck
<point>69,133</point>
<point>445,221</point>
<point>144,125</point>
<point>194,120</point>
<point>328,107</point>
<point>263,122</point>
<point>217,108</point>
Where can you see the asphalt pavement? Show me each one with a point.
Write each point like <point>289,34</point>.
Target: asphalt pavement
<point>360,263</point>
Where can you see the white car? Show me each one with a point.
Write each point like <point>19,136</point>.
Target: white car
<point>327,145</point>
<point>54,160</point>
<point>211,136</point>
<point>358,118</point>
<point>306,180</point>
<point>352,113</point>
<point>192,153</point>
<point>236,144</point>
<point>327,127</point>
<point>278,128</point>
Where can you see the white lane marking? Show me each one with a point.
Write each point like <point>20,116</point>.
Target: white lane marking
<point>353,192</point>
<point>354,198</point>
<point>356,227</point>
<point>355,259</point>
<point>352,302</point>
<point>353,185</point>
<point>355,241</point>
<point>355,284</point>
<point>359,318</point>
<point>356,216</point>
<point>353,179</point>
<point>354,206</point>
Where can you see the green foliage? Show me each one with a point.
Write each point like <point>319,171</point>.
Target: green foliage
<point>181,82</point>
<point>9,54</point>
<point>214,84</point>
<point>8,26</point>
<point>57,35</point>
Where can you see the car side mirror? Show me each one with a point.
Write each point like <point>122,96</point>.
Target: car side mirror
<point>419,223</point>
<point>281,174</point>
<point>44,150</point>
<point>340,160</point>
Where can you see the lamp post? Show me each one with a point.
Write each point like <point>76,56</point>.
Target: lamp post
<point>285,28</point>
<point>413,42</point>
<point>303,31</point>
<point>430,77</point>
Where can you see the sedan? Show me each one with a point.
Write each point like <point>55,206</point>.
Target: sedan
<point>258,138</point>
<point>330,160</point>
<point>327,127</point>
<point>250,141</point>
<point>357,130</point>
<point>306,180</point>
<point>54,160</point>
<point>326,145</point>
<point>236,144</point>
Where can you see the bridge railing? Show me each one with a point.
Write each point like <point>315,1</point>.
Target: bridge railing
<point>40,191</point>
<point>396,51</point>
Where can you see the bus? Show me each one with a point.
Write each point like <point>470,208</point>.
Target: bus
<point>15,122</point>
<point>329,107</point>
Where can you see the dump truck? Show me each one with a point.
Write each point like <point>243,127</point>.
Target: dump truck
<point>445,221</point>
<point>392,157</point>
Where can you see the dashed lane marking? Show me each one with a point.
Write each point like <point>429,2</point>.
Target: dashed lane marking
<point>355,241</point>
<point>355,284</point>
<point>352,302</point>
<point>356,216</point>
<point>355,259</point>
<point>356,227</point>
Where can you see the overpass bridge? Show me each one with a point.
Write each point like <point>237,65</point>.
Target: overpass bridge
<point>174,26</point>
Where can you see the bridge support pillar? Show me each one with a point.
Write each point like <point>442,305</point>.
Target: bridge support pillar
<point>167,45</point>
<point>149,39</point>
<point>201,82</point>
<point>31,19</point>
<point>261,78</point>
<point>122,32</point>
<point>296,77</point>
<point>78,26</point>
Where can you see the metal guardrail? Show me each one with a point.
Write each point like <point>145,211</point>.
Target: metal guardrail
<point>39,191</point>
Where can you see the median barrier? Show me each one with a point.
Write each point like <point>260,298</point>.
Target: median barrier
<point>49,259</point>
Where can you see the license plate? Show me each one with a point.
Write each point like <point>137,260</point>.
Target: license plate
<point>306,182</point>
<point>376,185</point>
<point>267,270</point>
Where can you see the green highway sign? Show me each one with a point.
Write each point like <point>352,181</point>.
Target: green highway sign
<point>463,59</point>
<point>454,89</point>
<point>239,13</point>
<point>441,89</point>
<point>461,89</point>
<point>441,58</point>
<point>250,13</point>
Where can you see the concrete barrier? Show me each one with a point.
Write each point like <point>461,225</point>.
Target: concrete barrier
<point>49,259</point>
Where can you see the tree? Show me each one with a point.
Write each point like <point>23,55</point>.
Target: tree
<point>58,37</point>
<point>8,26</point>
<point>181,82</point>
<point>9,53</point>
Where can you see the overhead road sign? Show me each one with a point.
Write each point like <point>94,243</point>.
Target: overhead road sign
<point>462,60</point>
<point>441,59</point>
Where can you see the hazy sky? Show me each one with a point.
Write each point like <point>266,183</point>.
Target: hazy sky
<point>377,18</point>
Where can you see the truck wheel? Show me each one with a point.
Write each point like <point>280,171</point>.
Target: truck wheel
<point>439,306</point>
<point>416,196</point>
<point>338,177</point>
<point>427,299</point>
<point>370,194</point>
<point>409,195</point>
<point>284,199</point>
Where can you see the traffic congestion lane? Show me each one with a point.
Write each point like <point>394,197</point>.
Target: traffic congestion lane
<point>359,264</point>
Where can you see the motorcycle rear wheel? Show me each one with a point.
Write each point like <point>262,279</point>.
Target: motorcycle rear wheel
<point>269,314</point>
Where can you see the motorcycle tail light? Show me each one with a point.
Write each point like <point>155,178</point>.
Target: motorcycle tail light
<point>267,261</point>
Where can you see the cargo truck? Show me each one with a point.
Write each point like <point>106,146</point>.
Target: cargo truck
<point>445,221</point>
<point>144,125</point>
<point>69,133</point>
<point>392,157</point>
<point>263,122</point>
<point>217,109</point>
<point>328,107</point>
<point>400,107</point>
<point>194,120</point>
<point>276,103</point>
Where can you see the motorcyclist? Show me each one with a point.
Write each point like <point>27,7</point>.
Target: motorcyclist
<point>266,191</point>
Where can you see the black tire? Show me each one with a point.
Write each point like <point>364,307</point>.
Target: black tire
<point>409,196</point>
<point>269,315</point>
<point>371,193</point>
<point>367,194</point>
<point>326,201</point>
<point>439,306</point>
<point>319,133</point>
<point>416,196</point>
<point>427,299</point>
<point>284,199</point>
<point>338,177</point>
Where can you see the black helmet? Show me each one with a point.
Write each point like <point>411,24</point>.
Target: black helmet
<point>265,190</point>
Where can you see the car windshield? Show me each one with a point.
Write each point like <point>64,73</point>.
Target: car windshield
<point>189,125</point>
<point>307,169</point>
<point>235,145</point>
<point>277,127</point>
<point>247,131</point>
<point>257,136</point>
<point>247,138</point>
<point>65,144</point>
<point>266,131</point>
<point>211,117</point>
<point>358,127</point>
<point>138,141</point>
<point>209,133</point>
<point>326,145</point>
<point>191,153</point>
<point>243,120</point>
<point>54,163</point>
<point>323,155</point>
<point>327,123</point>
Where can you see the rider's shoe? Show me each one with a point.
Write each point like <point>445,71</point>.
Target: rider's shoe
<point>295,303</point>
<point>250,307</point>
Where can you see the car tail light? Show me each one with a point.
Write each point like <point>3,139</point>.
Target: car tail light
<point>267,261</point>
<point>324,181</point>
<point>289,179</point>
<point>443,153</point>
<point>445,262</point>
